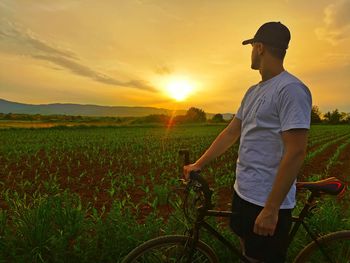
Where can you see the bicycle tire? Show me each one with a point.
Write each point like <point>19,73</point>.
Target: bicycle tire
<point>170,244</point>
<point>336,244</point>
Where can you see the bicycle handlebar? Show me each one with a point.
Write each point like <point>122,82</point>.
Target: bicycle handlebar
<point>197,182</point>
<point>203,186</point>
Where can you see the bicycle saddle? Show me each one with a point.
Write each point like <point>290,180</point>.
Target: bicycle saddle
<point>331,185</point>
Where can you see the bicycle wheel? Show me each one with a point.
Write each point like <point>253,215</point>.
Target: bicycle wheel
<point>170,249</point>
<point>336,246</point>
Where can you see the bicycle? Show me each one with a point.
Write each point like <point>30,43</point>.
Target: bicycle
<point>333,247</point>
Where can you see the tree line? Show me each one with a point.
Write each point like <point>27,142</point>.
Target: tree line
<point>193,115</point>
<point>59,118</point>
<point>330,117</point>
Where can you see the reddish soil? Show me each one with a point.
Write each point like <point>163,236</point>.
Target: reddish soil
<point>323,141</point>
<point>342,171</point>
<point>93,186</point>
<point>318,164</point>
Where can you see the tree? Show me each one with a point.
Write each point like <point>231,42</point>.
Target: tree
<point>315,114</point>
<point>344,117</point>
<point>347,118</point>
<point>333,117</point>
<point>195,115</point>
<point>218,118</point>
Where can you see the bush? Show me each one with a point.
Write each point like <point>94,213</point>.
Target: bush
<point>218,118</point>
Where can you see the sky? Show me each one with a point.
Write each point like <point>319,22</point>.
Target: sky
<point>128,52</point>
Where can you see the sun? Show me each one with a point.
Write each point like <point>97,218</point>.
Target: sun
<point>179,89</point>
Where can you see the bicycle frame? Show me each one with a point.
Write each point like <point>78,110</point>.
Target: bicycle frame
<point>297,220</point>
<point>200,223</point>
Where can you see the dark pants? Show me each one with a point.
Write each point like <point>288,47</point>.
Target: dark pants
<point>271,249</point>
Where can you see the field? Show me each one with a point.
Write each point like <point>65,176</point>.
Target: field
<point>88,194</point>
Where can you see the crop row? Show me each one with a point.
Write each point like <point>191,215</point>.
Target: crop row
<point>71,194</point>
<point>101,164</point>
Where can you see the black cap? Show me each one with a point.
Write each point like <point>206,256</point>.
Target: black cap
<point>274,34</point>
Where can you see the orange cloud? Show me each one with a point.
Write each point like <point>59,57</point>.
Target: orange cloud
<point>336,22</point>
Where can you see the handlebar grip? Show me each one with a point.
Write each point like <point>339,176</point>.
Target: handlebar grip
<point>195,176</point>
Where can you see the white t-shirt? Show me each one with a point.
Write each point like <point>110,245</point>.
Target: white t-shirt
<point>267,109</point>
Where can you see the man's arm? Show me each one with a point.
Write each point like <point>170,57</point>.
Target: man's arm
<point>295,143</point>
<point>222,142</point>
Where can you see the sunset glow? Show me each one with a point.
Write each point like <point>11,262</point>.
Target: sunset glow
<point>160,53</point>
<point>179,89</point>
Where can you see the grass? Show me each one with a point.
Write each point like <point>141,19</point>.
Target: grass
<point>67,193</point>
<point>59,229</point>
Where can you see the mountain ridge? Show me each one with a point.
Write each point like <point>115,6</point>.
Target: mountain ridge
<point>93,110</point>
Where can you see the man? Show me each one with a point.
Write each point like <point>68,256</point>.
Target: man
<point>272,123</point>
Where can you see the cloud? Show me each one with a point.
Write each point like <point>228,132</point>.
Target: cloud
<point>25,42</point>
<point>14,34</point>
<point>4,4</point>
<point>336,58</point>
<point>85,71</point>
<point>336,20</point>
<point>163,70</point>
<point>53,6</point>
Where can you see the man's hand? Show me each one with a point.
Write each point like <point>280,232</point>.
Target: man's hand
<point>188,168</point>
<point>266,222</point>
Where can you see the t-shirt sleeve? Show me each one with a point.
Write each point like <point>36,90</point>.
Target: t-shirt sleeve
<point>294,105</point>
<point>239,112</point>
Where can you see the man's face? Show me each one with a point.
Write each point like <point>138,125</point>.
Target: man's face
<point>255,59</point>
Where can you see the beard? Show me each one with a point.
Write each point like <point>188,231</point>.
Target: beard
<point>255,62</point>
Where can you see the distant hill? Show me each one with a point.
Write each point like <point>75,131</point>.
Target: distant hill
<point>79,109</point>
<point>87,110</point>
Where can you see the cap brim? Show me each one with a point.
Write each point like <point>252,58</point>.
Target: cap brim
<point>249,41</point>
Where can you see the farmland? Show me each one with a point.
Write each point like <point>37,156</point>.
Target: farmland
<point>111,185</point>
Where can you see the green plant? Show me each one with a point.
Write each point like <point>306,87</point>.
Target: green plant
<point>161,192</point>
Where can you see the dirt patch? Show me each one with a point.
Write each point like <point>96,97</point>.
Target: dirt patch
<point>341,170</point>
<point>81,171</point>
<point>318,164</point>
